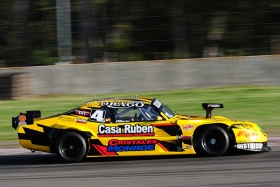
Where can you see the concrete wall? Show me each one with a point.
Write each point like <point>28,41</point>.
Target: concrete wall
<point>149,75</point>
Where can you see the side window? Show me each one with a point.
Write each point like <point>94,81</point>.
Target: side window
<point>108,114</point>
<point>127,114</point>
<point>150,114</point>
<point>145,113</point>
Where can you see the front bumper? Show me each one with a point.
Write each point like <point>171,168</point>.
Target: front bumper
<point>253,146</point>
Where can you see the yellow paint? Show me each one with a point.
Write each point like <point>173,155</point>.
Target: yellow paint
<point>244,131</point>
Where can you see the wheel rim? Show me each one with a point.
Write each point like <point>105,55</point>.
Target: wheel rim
<point>214,141</point>
<point>71,147</point>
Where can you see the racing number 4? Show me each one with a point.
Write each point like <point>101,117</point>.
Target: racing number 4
<point>97,115</point>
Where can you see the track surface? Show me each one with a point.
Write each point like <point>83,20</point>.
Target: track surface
<point>40,169</point>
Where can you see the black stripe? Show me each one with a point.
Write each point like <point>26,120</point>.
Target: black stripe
<point>36,137</point>
<point>169,146</point>
<point>92,151</point>
<point>171,130</point>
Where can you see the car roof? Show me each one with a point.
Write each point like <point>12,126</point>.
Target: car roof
<point>98,103</point>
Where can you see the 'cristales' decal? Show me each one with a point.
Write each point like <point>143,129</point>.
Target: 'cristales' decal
<point>115,145</point>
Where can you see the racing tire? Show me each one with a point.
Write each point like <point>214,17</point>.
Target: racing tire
<point>70,147</point>
<point>212,141</point>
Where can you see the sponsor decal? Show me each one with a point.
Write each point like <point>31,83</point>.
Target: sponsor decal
<point>243,125</point>
<point>82,112</point>
<point>22,119</point>
<point>187,147</point>
<point>125,130</point>
<point>157,103</point>
<point>247,134</point>
<point>250,146</point>
<point>118,121</point>
<point>81,120</point>
<point>65,118</point>
<point>115,145</point>
<point>122,104</point>
<point>187,127</point>
<point>214,105</point>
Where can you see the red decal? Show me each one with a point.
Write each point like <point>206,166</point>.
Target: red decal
<point>103,150</point>
<point>246,134</point>
<point>163,147</point>
<point>82,112</point>
<point>186,137</point>
<point>114,142</point>
<point>188,127</point>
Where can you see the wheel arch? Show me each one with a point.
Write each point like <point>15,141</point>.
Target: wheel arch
<point>227,128</point>
<point>55,134</point>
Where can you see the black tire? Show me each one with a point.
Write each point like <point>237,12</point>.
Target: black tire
<point>71,147</point>
<point>212,141</point>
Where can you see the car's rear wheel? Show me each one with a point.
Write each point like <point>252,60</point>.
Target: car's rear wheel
<point>70,147</point>
<point>212,141</point>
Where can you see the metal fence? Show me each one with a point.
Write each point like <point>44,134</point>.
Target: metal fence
<point>44,32</point>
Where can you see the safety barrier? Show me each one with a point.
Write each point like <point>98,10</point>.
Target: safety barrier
<point>141,76</point>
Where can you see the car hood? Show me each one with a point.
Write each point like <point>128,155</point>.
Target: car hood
<point>213,118</point>
<point>216,119</point>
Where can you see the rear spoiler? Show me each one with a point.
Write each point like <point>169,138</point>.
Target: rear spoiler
<point>209,107</point>
<point>25,119</point>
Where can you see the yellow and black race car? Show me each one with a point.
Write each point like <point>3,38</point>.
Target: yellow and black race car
<point>135,127</point>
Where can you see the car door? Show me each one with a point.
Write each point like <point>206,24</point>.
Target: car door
<point>121,131</point>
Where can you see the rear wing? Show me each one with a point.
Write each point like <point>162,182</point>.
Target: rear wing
<point>25,119</point>
<point>208,107</point>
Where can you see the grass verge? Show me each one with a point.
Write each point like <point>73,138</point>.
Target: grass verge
<point>257,104</point>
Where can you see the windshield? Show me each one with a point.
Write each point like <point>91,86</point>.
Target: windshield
<point>167,111</point>
<point>163,108</point>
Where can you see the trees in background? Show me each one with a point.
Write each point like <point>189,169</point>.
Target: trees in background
<point>128,30</point>
<point>28,32</point>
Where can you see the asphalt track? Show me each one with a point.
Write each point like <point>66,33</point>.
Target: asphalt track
<point>19,167</point>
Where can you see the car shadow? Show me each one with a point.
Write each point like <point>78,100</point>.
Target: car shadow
<point>49,159</point>
<point>38,159</point>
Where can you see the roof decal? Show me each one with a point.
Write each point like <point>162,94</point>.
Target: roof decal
<point>122,104</point>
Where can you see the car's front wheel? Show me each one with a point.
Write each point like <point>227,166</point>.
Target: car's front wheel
<point>212,141</point>
<point>70,147</point>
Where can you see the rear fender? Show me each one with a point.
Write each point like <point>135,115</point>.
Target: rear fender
<point>59,129</point>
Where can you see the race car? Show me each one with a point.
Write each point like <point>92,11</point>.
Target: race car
<point>135,127</point>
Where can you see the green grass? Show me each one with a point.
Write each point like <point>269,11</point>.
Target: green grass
<point>257,104</point>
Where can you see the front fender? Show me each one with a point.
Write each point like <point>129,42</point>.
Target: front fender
<point>244,135</point>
